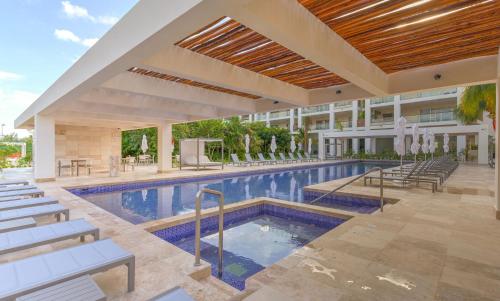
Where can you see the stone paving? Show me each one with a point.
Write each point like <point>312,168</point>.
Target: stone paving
<point>441,246</point>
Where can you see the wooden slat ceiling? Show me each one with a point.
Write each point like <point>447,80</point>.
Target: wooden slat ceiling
<point>231,42</point>
<point>402,34</point>
<point>190,82</point>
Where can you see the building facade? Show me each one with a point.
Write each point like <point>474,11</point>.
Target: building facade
<point>367,125</point>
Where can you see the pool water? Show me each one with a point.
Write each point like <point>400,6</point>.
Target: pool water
<point>254,238</point>
<point>142,202</point>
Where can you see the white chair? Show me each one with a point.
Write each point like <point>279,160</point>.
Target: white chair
<point>64,164</point>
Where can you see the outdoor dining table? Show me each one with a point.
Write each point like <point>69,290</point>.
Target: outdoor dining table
<point>77,161</point>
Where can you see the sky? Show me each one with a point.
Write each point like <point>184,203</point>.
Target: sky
<point>40,39</point>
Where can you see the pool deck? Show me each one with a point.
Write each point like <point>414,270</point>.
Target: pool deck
<point>441,246</point>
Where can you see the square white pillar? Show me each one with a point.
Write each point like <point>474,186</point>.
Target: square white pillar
<point>497,141</point>
<point>321,146</point>
<point>44,149</point>
<point>397,108</point>
<point>299,118</point>
<point>268,122</point>
<point>354,115</point>
<point>461,144</point>
<point>482,147</point>
<point>165,147</point>
<point>292,120</point>
<point>331,115</point>
<point>355,145</point>
<point>368,145</point>
<point>368,115</point>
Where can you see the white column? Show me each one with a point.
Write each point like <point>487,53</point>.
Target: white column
<point>292,120</point>
<point>268,122</point>
<point>165,147</point>
<point>497,141</point>
<point>250,117</point>
<point>460,143</point>
<point>355,145</point>
<point>331,147</point>
<point>397,108</point>
<point>373,145</point>
<point>299,118</point>
<point>354,114</point>
<point>44,149</point>
<point>368,145</point>
<point>482,147</point>
<point>331,116</point>
<point>368,115</point>
<point>321,146</point>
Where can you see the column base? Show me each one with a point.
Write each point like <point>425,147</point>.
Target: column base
<point>42,180</point>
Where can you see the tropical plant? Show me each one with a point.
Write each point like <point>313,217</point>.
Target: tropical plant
<point>475,100</point>
<point>131,142</point>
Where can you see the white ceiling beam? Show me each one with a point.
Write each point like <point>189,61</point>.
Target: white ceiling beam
<point>291,25</point>
<point>458,73</point>
<point>184,63</point>
<point>145,85</point>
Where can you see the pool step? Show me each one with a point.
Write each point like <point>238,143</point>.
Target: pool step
<point>220,286</point>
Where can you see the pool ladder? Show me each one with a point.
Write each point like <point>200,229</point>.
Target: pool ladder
<point>381,183</point>
<point>197,242</point>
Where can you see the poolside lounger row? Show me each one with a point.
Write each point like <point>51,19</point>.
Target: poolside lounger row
<point>273,160</point>
<point>58,275</point>
<point>17,187</point>
<point>17,194</point>
<point>4,183</point>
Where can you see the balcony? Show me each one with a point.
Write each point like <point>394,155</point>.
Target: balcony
<point>343,104</point>
<point>433,93</point>
<point>341,125</point>
<point>382,122</point>
<point>441,116</point>
<point>382,100</point>
<point>316,109</point>
<point>318,126</point>
<point>279,114</point>
<point>260,117</point>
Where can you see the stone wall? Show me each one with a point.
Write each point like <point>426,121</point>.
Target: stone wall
<point>93,143</point>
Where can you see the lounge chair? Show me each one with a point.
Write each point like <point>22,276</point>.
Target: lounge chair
<point>299,155</point>
<point>18,240</point>
<point>262,159</point>
<point>13,182</point>
<point>285,159</point>
<point>404,179</point>
<point>17,187</point>
<point>236,161</point>
<point>17,224</point>
<point>19,194</point>
<point>22,203</point>
<point>203,161</point>
<point>252,161</point>
<point>273,158</point>
<point>31,274</point>
<point>290,154</point>
<point>310,158</point>
<point>54,209</point>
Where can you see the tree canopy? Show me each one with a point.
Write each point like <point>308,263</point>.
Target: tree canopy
<point>476,100</point>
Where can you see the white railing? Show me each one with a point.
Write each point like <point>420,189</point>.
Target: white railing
<point>448,115</point>
<point>343,104</point>
<point>380,100</point>
<point>432,93</point>
<point>279,114</point>
<point>316,109</point>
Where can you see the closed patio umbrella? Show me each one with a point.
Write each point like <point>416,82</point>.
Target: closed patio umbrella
<point>399,143</point>
<point>144,144</point>
<point>273,144</point>
<point>292,144</point>
<point>415,145</point>
<point>247,143</point>
<point>446,141</point>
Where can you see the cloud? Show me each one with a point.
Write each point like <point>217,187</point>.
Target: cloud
<point>4,75</point>
<point>67,35</point>
<point>12,104</point>
<point>75,11</point>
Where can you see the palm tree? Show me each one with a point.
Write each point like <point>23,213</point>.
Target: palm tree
<point>476,100</point>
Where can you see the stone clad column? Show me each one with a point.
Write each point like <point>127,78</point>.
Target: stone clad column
<point>44,148</point>
<point>497,141</point>
<point>165,147</point>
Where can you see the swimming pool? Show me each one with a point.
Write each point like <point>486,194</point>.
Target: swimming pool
<point>144,201</point>
<point>255,237</point>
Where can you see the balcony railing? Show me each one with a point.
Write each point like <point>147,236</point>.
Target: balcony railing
<point>339,125</point>
<point>432,93</point>
<point>440,116</point>
<point>343,104</point>
<point>316,109</point>
<point>382,122</point>
<point>260,117</point>
<point>279,114</point>
<point>379,100</point>
<point>319,126</point>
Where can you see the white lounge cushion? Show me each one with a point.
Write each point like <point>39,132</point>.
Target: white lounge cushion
<point>17,187</point>
<point>32,202</point>
<point>20,193</point>
<point>31,212</point>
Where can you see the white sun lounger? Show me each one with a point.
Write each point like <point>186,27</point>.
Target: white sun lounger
<point>20,194</point>
<point>31,274</point>
<point>22,203</point>
<point>13,182</point>
<point>54,209</point>
<point>17,224</point>
<point>17,187</point>
<point>14,241</point>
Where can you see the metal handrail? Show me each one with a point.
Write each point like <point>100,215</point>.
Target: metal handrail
<point>381,182</point>
<point>198,226</point>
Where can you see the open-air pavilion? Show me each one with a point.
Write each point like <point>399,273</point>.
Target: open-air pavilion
<point>168,62</point>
